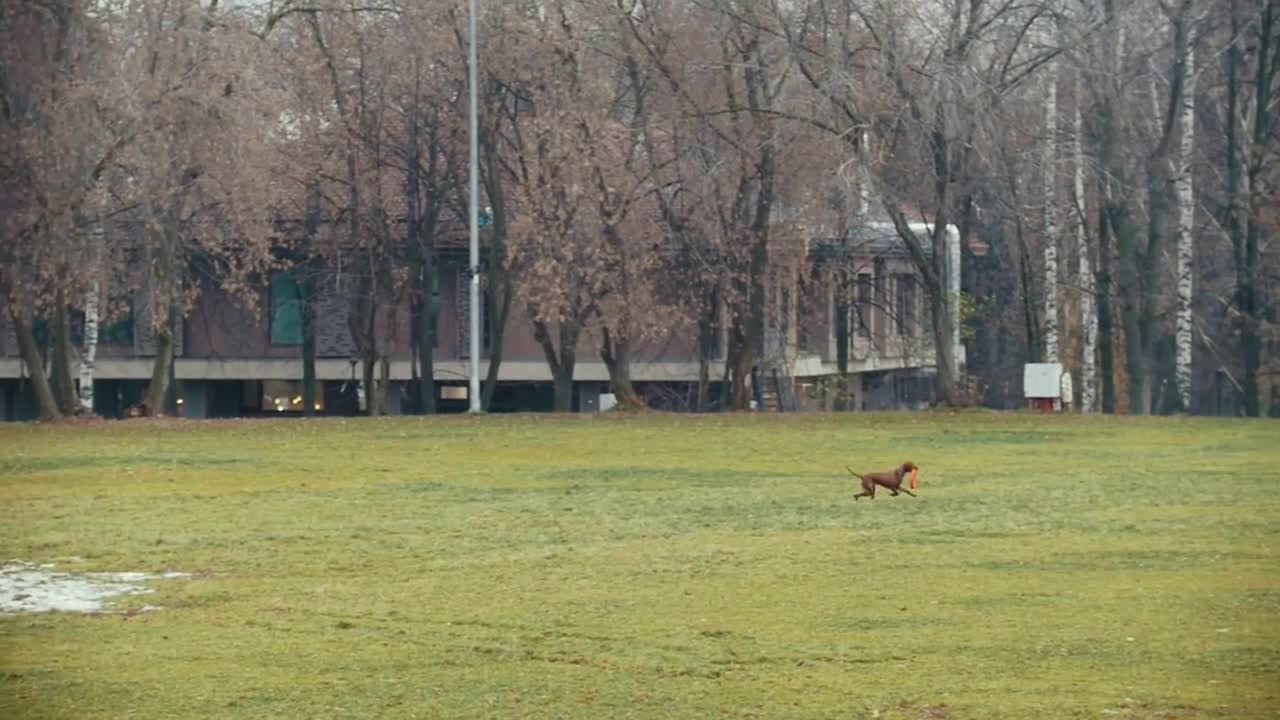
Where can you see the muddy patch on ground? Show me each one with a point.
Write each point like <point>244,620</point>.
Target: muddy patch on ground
<point>36,588</point>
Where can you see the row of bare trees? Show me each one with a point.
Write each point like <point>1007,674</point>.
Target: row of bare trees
<point>649,163</point>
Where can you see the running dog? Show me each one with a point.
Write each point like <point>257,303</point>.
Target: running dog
<point>891,480</point>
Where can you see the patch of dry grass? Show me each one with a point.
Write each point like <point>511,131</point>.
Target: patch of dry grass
<point>652,566</point>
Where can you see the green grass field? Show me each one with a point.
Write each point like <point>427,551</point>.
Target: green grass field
<point>652,567</point>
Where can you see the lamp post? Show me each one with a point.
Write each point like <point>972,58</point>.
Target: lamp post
<point>473,391</point>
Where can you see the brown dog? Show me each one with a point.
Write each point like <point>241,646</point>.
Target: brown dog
<point>892,480</point>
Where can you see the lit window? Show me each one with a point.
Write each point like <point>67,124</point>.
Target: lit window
<point>285,396</point>
<point>453,392</point>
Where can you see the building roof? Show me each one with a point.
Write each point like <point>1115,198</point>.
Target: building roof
<point>873,239</point>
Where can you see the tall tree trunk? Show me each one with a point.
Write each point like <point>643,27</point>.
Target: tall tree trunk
<point>1264,108</point>
<point>731,353</point>
<point>46,404</point>
<point>561,355</point>
<point>738,366</point>
<point>364,329</point>
<point>92,313</point>
<point>164,286</point>
<point>1186,239</point>
<point>615,341</point>
<point>706,345</point>
<point>752,334</point>
<point>373,390</point>
<point>64,385</point>
<point>158,388</point>
<point>703,392</point>
<point>310,384</point>
<point>500,295</point>
<point>426,319</point>
<point>749,331</point>
<point>426,337</point>
<point>369,377</point>
<point>1112,174</point>
<point>1135,293</point>
<point>422,222</point>
<point>563,384</point>
<point>1247,201</point>
<point>384,382</point>
<point>940,310</point>
<point>940,279</point>
<point>309,289</point>
<point>1085,279</point>
<point>842,338</point>
<point>1235,176</point>
<point>1106,325</point>
<point>1132,293</point>
<point>1050,189</point>
<point>1031,319</point>
<point>615,351</point>
<point>565,367</point>
<point>90,352</point>
<point>1140,266</point>
<point>501,288</point>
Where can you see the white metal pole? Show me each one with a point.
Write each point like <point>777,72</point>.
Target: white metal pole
<point>474,390</point>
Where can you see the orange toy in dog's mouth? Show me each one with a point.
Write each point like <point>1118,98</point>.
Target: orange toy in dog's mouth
<point>913,478</point>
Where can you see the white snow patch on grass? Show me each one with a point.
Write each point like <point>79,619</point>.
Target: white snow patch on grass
<point>30,588</point>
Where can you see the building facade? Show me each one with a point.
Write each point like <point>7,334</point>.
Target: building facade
<point>236,359</point>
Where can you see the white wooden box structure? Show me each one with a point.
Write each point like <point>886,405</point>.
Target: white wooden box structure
<point>1042,385</point>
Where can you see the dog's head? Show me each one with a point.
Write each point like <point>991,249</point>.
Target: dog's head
<point>908,466</point>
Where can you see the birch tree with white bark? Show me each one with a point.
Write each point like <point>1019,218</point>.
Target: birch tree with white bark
<point>1049,180</point>
<point>1186,234</point>
<point>92,313</point>
<point>1084,274</point>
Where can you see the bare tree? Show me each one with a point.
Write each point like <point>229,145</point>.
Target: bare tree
<point>1049,187</point>
<point>1186,234</point>
<point>60,140</point>
<point>927,122</point>
<point>1084,277</point>
<point>735,105</point>
<point>1139,256</point>
<point>1250,154</point>
<point>193,185</point>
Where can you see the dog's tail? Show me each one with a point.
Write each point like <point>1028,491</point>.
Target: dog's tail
<point>851,472</point>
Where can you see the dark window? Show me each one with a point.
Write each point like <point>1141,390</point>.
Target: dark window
<point>906,304</point>
<point>882,300</point>
<point>433,309</point>
<point>716,328</point>
<point>286,309</point>
<point>116,332</point>
<point>784,312</point>
<point>863,319</point>
<point>41,331</point>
